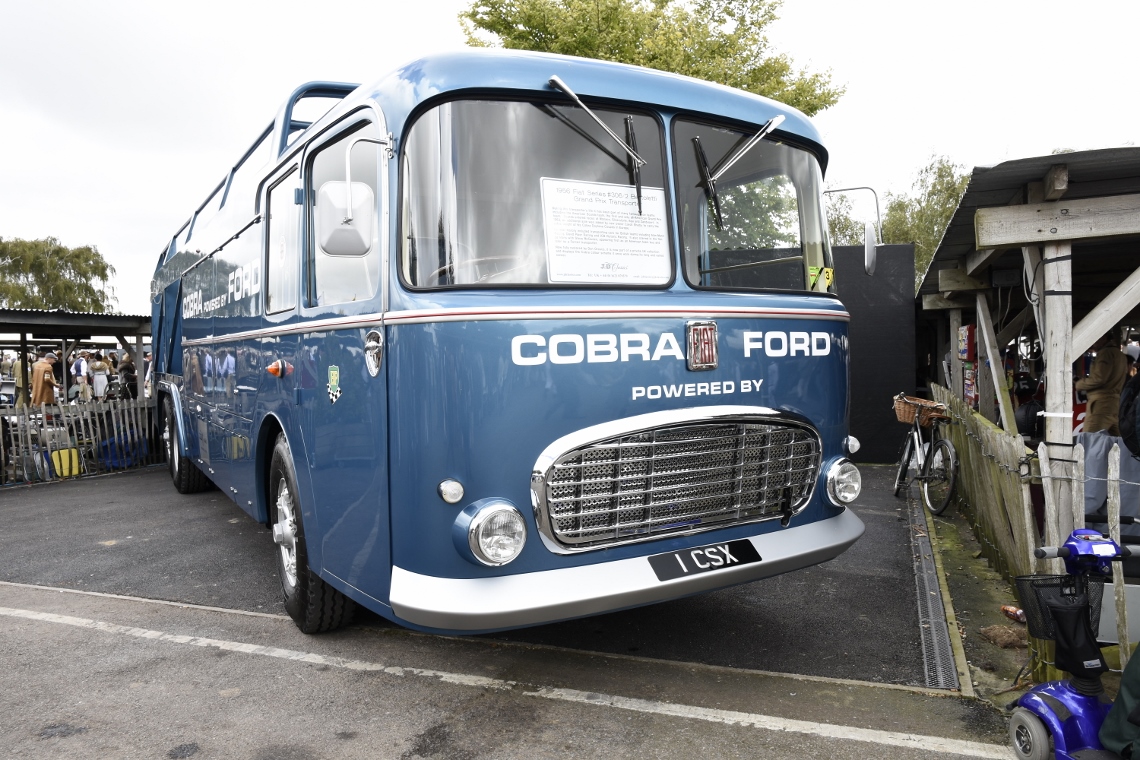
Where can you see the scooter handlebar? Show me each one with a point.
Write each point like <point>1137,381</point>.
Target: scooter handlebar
<point>1052,552</point>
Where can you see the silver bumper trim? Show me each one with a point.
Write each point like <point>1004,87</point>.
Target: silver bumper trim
<point>510,601</point>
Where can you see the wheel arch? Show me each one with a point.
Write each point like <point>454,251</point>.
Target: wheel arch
<point>167,389</point>
<point>267,434</point>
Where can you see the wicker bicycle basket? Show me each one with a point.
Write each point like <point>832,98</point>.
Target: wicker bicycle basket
<point>908,407</point>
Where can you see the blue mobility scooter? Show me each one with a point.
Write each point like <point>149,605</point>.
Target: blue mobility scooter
<point>1062,718</point>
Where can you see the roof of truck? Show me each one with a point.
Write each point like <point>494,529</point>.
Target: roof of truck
<point>492,71</point>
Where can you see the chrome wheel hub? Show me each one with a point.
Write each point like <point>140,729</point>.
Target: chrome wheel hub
<point>285,532</point>
<point>1024,740</point>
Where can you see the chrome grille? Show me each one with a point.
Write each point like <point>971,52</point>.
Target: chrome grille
<point>677,479</point>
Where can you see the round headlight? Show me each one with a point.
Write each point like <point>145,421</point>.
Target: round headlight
<point>496,534</point>
<point>844,482</point>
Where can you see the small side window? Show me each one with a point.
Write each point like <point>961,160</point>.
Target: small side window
<point>344,246</point>
<point>282,240</point>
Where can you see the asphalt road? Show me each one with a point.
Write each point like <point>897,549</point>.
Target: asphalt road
<point>854,617</point>
<point>91,675</point>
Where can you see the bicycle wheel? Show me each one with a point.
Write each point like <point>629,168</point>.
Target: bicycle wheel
<point>939,476</point>
<point>902,477</point>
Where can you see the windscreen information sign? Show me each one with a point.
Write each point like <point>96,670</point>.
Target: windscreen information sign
<point>594,233</point>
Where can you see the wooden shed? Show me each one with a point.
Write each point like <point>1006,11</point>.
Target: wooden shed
<point>1042,256</point>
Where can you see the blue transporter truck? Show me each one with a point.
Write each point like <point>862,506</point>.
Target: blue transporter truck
<point>509,338</point>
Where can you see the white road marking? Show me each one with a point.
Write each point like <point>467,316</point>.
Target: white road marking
<point>185,605</point>
<point>651,707</point>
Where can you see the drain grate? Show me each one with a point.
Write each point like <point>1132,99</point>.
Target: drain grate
<point>937,653</point>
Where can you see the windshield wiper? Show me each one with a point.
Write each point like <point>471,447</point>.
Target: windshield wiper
<point>709,177</point>
<point>708,181</point>
<point>635,159</point>
<point>634,167</point>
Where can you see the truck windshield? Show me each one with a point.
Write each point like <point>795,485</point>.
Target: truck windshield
<point>760,225</point>
<point>507,193</point>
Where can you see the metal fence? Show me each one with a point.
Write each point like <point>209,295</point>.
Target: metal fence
<point>53,442</point>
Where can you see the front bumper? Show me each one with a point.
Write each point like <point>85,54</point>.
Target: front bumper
<point>514,601</point>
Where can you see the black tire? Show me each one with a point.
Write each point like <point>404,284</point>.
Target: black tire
<point>315,606</point>
<point>185,474</point>
<point>940,475</point>
<point>905,455</point>
<point>1028,736</point>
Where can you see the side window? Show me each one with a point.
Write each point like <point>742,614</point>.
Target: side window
<point>344,250</point>
<point>282,236</point>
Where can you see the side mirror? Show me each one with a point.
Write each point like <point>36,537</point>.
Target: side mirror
<point>341,231</point>
<point>869,254</point>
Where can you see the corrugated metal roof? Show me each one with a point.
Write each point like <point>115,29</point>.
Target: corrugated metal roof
<point>63,323</point>
<point>1111,171</point>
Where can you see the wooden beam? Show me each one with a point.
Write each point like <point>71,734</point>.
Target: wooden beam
<point>1059,221</point>
<point>996,368</point>
<point>955,280</point>
<point>938,301</point>
<point>980,260</point>
<point>1107,314</point>
<point>1015,326</point>
<point>1056,182</point>
<point>1058,350</point>
<point>955,362</point>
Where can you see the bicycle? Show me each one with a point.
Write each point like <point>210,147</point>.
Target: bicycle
<point>936,463</point>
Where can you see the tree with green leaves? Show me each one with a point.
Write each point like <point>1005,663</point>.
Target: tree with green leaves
<point>43,274</point>
<point>717,40</point>
<point>842,227</point>
<point>921,217</point>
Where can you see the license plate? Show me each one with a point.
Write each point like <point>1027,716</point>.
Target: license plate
<point>703,559</point>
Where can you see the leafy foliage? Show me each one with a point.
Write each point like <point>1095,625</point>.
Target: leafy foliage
<point>717,40</point>
<point>842,227</point>
<point>921,217</point>
<point>43,274</point>
<point>761,214</point>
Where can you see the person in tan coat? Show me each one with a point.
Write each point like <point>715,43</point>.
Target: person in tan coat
<point>43,380</point>
<point>1103,385</point>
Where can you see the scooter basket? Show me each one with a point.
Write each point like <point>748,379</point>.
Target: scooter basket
<point>1037,592</point>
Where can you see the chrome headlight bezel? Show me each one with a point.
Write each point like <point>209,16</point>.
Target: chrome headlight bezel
<point>839,482</point>
<point>477,518</point>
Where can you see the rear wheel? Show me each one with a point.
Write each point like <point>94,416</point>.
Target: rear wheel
<point>186,476</point>
<point>903,474</point>
<point>314,605</point>
<point>1028,736</point>
<point>940,476</point>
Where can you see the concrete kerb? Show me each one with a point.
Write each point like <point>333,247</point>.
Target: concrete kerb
<point>965,679</point>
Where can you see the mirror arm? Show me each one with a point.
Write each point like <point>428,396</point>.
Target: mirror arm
<point>348,172</point>
<point>878,216</point>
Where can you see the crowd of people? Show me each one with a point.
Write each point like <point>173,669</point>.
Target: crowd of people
<point>92,376</point>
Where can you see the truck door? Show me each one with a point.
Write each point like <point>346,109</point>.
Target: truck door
<point>343,380</point>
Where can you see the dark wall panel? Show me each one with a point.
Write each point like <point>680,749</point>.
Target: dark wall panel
<point>882,344</point>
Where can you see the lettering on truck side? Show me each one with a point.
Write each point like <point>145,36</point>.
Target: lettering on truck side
<point>535,350</point>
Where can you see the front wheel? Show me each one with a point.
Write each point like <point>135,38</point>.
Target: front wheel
<point>186,475</point>
<point>314,605</point>
<point>940,476</point>
<point>902,476</point>
<point>1028,736</point>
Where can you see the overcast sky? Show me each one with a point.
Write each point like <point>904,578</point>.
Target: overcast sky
<point>119,117</point>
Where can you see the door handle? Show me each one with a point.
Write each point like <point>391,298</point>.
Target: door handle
<point>373,351</point>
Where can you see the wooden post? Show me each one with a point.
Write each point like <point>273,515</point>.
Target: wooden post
<point>955,379</point>
<point>1058,300</point>
<point>1047,480</point>
<point>1078,486</point>
<point>997,368</point>
<point>1117,570</point>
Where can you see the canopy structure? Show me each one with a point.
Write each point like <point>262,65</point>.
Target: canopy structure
<point>65,330</point>
<point>1042,253</point>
